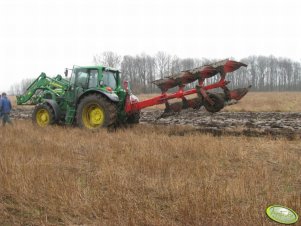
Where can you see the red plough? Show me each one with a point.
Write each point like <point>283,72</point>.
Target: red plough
<point>213,102</point>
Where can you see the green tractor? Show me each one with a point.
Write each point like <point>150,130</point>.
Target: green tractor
<point>91,98</point>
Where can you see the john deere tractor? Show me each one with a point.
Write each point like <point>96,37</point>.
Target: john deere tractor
<point>91,98</point>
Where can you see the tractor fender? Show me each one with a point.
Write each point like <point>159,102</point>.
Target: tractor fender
<point>111,96</point>
<point>55,108</point>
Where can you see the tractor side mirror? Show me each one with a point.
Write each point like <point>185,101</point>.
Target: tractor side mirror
<point>66,72</point>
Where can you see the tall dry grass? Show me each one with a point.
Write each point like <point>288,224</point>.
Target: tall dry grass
<point>145,175</point>
<point>268,102</point>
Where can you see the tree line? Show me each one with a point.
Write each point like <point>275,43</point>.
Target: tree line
<point>264,73</point>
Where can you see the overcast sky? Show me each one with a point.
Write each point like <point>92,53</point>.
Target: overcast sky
<point>50,35</point>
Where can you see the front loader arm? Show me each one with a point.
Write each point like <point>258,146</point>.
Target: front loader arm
<point>43,82</point>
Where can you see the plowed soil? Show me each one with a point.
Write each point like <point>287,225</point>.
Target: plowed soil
<point>275,124</point>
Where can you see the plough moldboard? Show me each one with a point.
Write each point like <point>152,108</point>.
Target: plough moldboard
<point>212,101</point>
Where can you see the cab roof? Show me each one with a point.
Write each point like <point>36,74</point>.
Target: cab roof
<point>100,67</point>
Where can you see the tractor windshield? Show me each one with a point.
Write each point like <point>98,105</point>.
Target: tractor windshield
<point>74,71</point>
<point>109,79</point>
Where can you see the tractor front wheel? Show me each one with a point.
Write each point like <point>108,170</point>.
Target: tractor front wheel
<point>43,115</point>
<point>218,103</point>
<point>95,111</point>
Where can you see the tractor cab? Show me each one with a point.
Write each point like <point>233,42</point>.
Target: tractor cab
<point>98,79</point>
<point>93,96</point>
<point>95,77</point>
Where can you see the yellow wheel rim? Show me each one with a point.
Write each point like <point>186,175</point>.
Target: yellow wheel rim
<point>42,117</point>
<point>93,116</point>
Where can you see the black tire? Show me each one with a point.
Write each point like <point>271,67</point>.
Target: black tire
<point>95,111</point>
<point>133,118</point>
<point>43,115</point>
<point>218,103</point>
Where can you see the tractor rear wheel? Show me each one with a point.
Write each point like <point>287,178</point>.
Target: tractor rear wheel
<point>218,103</point>
<point>43,115</point>
<point>95,111</point>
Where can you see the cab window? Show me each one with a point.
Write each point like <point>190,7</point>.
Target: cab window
<point>82,78</point>
<point>109,79</point>
<point>93,78</point>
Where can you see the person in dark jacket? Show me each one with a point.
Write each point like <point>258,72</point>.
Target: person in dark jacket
<point>0,107</point>
<point>5,108</point>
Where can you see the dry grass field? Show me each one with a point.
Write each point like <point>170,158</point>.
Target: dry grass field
<point>269,101</point>
<point>147,174</point>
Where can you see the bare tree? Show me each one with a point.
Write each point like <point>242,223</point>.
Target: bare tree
<point>163,61</point>
<point>175,65</point>
<point>20,88</point>
<point>151,72</point>
<point>187,64</point>
<point>262,63</point>
<point>109,59</point>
